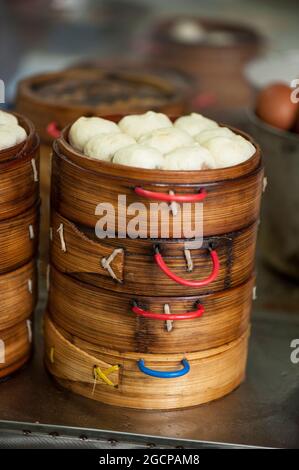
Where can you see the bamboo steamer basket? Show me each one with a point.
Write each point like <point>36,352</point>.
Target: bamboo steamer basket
<point>18,295</point>
<point>139,323</point>
<point>15,347</point>
<point>231,196</point>
<point>128,265</point>
<point>217,66</point>
<point>144,381</point>
<point>19,237</point>
<point>19,174</point>
<point>59,98</point>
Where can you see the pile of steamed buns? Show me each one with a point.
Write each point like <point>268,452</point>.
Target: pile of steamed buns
<point>11,133</point>
<point>152,141</point>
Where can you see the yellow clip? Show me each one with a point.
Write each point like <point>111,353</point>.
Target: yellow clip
<point>102,374</point>
<point>52,355</point>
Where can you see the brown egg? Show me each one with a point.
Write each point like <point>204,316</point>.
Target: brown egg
<point>274,106</point>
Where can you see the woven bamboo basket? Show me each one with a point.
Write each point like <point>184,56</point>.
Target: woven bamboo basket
<point>139,323</point>
<point>18,295</point>
<point>15,347</point>
<point>53,100</point>
<point>19,237</point>
<point>230,196</point>
<point>19,174</point>
<point>217,66</point>
<point>144,381</point>
<point>133,266</point>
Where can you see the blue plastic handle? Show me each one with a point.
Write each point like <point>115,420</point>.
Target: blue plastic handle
<point>165,375</point>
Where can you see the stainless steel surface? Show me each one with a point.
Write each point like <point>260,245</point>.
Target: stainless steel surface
<point>264,411</point>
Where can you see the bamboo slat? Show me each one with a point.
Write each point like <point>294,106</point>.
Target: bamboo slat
<point>213,373</point>
<point>19,237</point>
<point>76,251</point>
<point>98,316</point>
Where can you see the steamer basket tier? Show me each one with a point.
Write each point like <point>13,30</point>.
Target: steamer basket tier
<point>231,196</point>
<point>19,169</point>
<point>15,347</point>
<point>100,317</point>
<point>19,239</point>
<point>18,295</point>
<point>77,252</point>
<point>144,381</point>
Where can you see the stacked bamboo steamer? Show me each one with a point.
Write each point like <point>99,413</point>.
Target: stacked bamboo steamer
<point>19,228</point>
<point>148,323</point>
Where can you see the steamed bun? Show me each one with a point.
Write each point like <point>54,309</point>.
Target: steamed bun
<point>104,146</point>
<point>11,135</point>
<point>194,123</point>
<point>139,156</point>
<point>229,151</point>
<point>140,124</point>
<point>166,140</point>
<point>6,118</point>
<point>189,158</point>
<point>208,134</point>
<point>87,127</point>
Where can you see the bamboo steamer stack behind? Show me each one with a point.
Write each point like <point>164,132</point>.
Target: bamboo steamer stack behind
<point>19,233</point>
<point>52,100</point>
<point>150,323</point>
<point>213,52</point>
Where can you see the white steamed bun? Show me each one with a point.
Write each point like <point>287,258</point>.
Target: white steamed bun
<point>6,118</point>
<point>194,123</point>
<point>166,140</point>
<point>11,135</point>
<point>229,151</point>
<point>189,158</point>
<point>140,124</point>
<point>87,127</point>
<point>208,134</point>
<point>139,156</point>
<point>104,146</point>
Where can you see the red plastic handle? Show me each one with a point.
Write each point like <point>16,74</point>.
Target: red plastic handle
<point>197,197</point>
<point>53,131</point>
<point>171,316</point>
<point>184,282</point>
<point>204,100</point>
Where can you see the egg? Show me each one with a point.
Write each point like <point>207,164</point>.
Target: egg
<point>189,158</point>
<point>104,146</point>
<point>166,140</point>
<point>274,106</point>
<point>137,125</point>
<point>139,156</point>
<point>87,127</point>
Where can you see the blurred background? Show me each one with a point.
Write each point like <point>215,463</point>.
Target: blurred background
<point>215,57</point>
